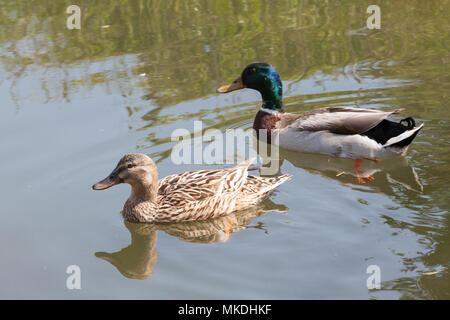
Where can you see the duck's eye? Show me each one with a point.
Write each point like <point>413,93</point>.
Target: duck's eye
<point>130,165</point>
<point>235,81</point>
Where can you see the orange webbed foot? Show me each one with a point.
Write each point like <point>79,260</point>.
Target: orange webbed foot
<point>377,160</point>
<point>356,169</point>
<point>227,229</point>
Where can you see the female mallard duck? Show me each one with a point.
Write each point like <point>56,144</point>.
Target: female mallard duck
<point>339,131</point>
<point>187,196</point>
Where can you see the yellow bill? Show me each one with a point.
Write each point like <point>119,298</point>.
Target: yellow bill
<point>235,85</point>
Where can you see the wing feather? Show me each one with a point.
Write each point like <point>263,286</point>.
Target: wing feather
<point>191,186</point>
<point>341,120</point>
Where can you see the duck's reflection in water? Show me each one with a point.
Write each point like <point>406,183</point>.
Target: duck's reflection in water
<point>388,173</point>
<point>137,261</point>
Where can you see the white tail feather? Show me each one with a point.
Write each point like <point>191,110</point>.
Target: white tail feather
<point>402,136</point>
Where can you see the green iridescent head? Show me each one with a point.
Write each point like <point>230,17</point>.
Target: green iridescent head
<point>264,78</point>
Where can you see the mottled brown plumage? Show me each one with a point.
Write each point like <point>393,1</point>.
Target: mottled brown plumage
<point>187,196</point>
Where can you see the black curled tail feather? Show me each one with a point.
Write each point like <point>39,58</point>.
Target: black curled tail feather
<point>387,129</point>
<point>410,123</point>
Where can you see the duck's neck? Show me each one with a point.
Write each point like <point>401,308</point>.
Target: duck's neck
<point>144,191</point>
<point>269,114</point>
<point>272,96</point>
<point>142,205</point>
<point>271,106</point>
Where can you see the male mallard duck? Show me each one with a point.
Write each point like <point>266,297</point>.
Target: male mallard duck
<point>187,196</point>
<point>339,131</point>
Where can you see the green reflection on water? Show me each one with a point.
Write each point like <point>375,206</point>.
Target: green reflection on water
<point>186,48</point>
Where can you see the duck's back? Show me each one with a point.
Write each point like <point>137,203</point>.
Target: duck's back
<point>203,194</point>
<point>198,195</point>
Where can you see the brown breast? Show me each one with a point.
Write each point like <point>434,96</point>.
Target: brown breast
<point>265,121</point>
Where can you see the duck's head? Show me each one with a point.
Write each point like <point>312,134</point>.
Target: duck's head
<point>264,78</point>
<point>135,169</point>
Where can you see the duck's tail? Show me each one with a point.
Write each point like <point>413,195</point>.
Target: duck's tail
<point>403,140</point>
<point>257,188</point>
<point>270,184</point>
